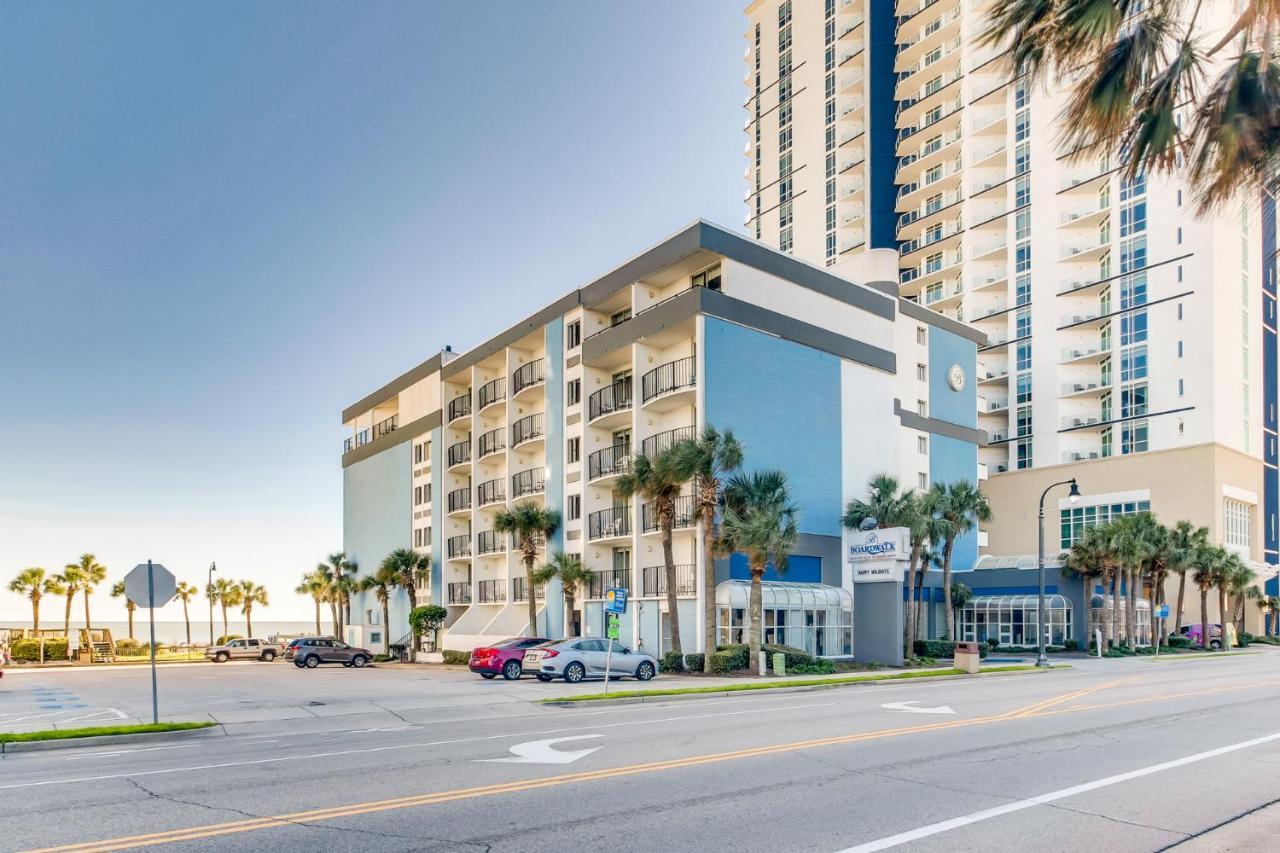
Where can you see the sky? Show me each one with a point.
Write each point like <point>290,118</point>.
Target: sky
<point>220,223</point>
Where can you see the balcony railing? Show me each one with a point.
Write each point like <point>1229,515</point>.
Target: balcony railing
<point>672,376</point>
<point>520,590</point>
<point>528,428</point>
<point>610,461</point>
<point>386,427</point>
<point>360,439</point>
<point>493,441</point>
<point>491,392</point>
<point>459,453</point>
<point>653,580</point>
<point>655,444</point>
<point>609,522</point>
<point>682,514</point>
<point>460,407</point>
<point>490,542</point>
<point>528,375</point>
<point>460,592</point>
<point>459,499</point>
<point>608,579</point>
<point>493,591</point>
<point>530,482</point>
<point>610,399</point>
<point>491,492</point>
<point>459,546</point>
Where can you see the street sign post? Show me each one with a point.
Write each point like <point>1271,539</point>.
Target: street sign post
<point>615,603</point>
<point>615,600</point>
<point>1161,614</point>
<point>151,585</point>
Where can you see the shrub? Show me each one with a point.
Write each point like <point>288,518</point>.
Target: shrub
<point>739,656</point>
<point>818,666</point>
<point>131,648</point>
<point>671,662</point>
<point>1179,642</point>
<point>427,619</point>
<point>1071,645</point>
<point>941,649</point>
<point>794,657</point>
<point>30,649</point>
<point>456,658</point>
<point>694,662</point>
<point>225,638</point>
<point>384,658</point>
<point>993,643</point>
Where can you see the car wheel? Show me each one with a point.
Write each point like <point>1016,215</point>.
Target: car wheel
<point>574,672</point>
<point>221,657</point>
<point>299,664</point>
<point>312,662</point>
<point>359,661</point>
<point>644,671</point>
<point>268,656</point>
<point>488,675</point>
<point>542,677</point>
<point>511,670</point>
<point>1215,644</point>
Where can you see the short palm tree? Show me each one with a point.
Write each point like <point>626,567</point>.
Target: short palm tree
<point>707,460</point>
<point>412,571</point>
<point>960,506</point>
<point>315,584</point>
<point>117,591</point>
<point>69,580</point>
<point>1090,558</point>
<point>1185,540</point>
<point>383,580</point>
<point>335,571</point>
<point>33,585</point>
<point>573,576</point>
<point>185,593</point>
<point>224,593</point>
<point>250,594</point>
<point>91,574</point>
<point>530,524</point>
<point>1211,564</point>
<point>1236,581</point>
<point>659,482</point>
<point>760,523</point>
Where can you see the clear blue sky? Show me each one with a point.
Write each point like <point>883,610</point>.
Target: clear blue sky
<point>222,222</point>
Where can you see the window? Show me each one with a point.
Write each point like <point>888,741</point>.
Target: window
<point>1023,421</point>
<point>922,335</point>
<point>573,392</point>
<point>1133,401</point>
<point>1235,522</point>
<point>575,507</point>
<point>1133,219</point>
<point>708,278</point>
<point>1076,519</point>
<point>1134,437</point>
<point>417,454</point>
<point>1024,356</point>
<point>1133,328</point>
<point>1133,363</point>
<point>1023,451</point>
<point>922,443</point>
<point>620,316</point>
<point>922,481</point>
<point>786,239</point>
<point>573,335</point>
<point>922,372</point>
<point>1024,388</point>
<point>574,450</point>
<point>922,408</point>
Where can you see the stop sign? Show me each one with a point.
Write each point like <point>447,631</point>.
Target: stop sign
<point>164,585</point>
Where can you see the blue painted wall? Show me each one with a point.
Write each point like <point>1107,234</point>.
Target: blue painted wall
<point>882,159</point>
<point>800,569</point>
<point>782,401</point>
<point>1270,387</point>
<point>950,459</point>
<point>555,444</point>
<point>377,505</point>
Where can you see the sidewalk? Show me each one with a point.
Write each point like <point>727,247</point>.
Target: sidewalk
<point>1255,831</point>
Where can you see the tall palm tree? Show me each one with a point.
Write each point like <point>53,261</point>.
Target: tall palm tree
<point>69,580</point>
<point>659,481</point>
<point>384,579</point>
<point>1185,540</point>
<point>707,460</point>
<point>1090,558</point>
<point>185,593</point>
<point>528,522</point>
<point>412,570</point>
<point>117,591</point>
<point>886,507</point>
<point>224,593</point>
<point>251,594</point>
<point>32,584</point>
<point>91,574</point>
<point>961,506</point>
<point>315,584</point>
<point>1236,578</point>
<point>573,576</point>
<point>1131,67</point>
<point>759,522</point>
<point>1210,566</point>
<point>336,569</point>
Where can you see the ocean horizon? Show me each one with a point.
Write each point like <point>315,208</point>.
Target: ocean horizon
<point>169,632</point>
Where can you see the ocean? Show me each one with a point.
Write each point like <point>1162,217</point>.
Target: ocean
<point>169,632</point>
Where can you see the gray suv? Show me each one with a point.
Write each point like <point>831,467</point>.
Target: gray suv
<point>313,651</point>
<point>584,657</point>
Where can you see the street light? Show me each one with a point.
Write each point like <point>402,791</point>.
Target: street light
<point>208,593</point>
<point>1042,659</point>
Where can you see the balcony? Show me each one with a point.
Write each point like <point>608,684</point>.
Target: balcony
<point>493,591</point>
<point>991,407</point>
<point>459,454</point>
<point>1074,354</point>
<point>989,311</point>
<point>491,492</point>
<point>492,441</point>
<point>528,376</point>
<point>610,402</point>
<point>530,482</point>
<point>682,515</point>
<point>490,542</point>
<point>653,581</point>
<point>460,592</point>
<point>998,435</point>
<point>936,234</point>
<point>1000,375</point>
<point>1091,314</point>
<point>1090,250</point>
<point>528,428</point>
<point>360,439</point>
<point>609,462</point>
<point>460,407</point>
<point>1069,456</point>
<point>990,250</point>
<point>1089,386</point>
<point>1080,421</point>
<point>668,379</point>
<point>458,547</point>
<point>459,500</point>
<point>520,590</point>
<point>608,579</point>
<point>657,443</point>
<point>614,523</point>
<point>491,393</point>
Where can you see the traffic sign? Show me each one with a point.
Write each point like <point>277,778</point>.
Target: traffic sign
<point>615,600</point>
<point>1162,611</point>
<point>164,585</point>
<point>611,629</point>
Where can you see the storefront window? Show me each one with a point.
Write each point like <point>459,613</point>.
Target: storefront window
<point>809,616</point>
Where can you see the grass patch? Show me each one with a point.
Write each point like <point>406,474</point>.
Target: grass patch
<point>1198,656</point>
<point>772,685</point>
<point>98,731</point>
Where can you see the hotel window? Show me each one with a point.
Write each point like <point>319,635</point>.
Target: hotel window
<point>708,278</point>
<point>785,214</point>
<point>922,481</point>
<point>785,239</point>
<point>620,317</point>
<point>1132,188</point>
<point>574,507</point>
<point>1134,437</point>
<point>1133,364</point>
<point>574,450</point>
<point>1022,323</point>
<point>1133,401</point>
<point>922,408</point>
<point>1105,372</point>
<point>1022,291</point>
<point>1107,443</point>
<point>1024,388</point>
<point>1133,218</point>
<point>1024,356</point>
<point>784,139</point>
<point>417,495</point>
<point>1235,522</point>
<point>1022,192</point>
<point>922,443</point>
<point>1023,422</point>
<point>1023,452</point>
<point>1133,290</point>
<point>1133,254</point>
<point>1133,328</point>
<point>573,334</point>
<point>573,392</point>
<point>1075,520</point>
<point>922,335</point>
<point>417,454</point>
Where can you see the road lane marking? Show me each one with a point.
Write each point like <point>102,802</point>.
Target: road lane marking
<point>128,751</point>
<point>540,752</point>
<point>907,706</point>
<point>1044,704</point>
<point>1062,793</point>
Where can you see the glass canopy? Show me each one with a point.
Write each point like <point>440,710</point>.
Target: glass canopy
<point>814,617</point>
<point>1012,619</point>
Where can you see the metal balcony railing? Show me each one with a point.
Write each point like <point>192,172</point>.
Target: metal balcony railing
<point>460,592</point>
<point>491,392</point>
<point>609,461</point>
<point>520,590</point>
<point>459,546</point>
<point>610,399</point>
<point>653,580</point>
<point>682,514</point>
<point>493,441</point>
<point>386,427</point>
<point>459,499</point>
<point>491,492</point>
<point>528,375</point>
<point>530,482</point>
<point>609,522</point>
<point>610,578</point>
<point>672,376</point>
<point>360,439</point>
<point>655,444</point>
<point>490,542</point>
<point>528,428</point>
<point>492,591</point>
<point>460,407</point>
<point>459,453</point>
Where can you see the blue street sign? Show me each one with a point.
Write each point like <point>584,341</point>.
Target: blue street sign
<point>1162,611</point>
<point>615,600</point>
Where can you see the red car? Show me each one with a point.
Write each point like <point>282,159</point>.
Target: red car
<point>505,657</point>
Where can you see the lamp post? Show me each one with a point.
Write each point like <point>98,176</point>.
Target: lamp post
<point>208,593</point>
<point>1042,659</point>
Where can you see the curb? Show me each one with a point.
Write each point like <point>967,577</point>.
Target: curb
<point>110,740</point>
<point>638,700</point>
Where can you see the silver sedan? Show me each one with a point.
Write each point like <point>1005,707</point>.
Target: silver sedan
<point>585,657</point>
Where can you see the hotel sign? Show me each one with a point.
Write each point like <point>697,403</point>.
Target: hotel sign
<point>877,555</point>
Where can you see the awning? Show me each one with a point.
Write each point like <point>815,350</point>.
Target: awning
<point>784,595</point>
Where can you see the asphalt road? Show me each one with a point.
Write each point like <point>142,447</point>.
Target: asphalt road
<point>1125,755</point>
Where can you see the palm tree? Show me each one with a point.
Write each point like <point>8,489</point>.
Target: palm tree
<point>412,570</point>
<point>250,594</point>
<point>185,593</point>
<point>885,507</point>
<point>573,575</point>
<point>384,579</point>
<point>659,481</point>
<point>314,584</point>
<point>1134,66</point>
<point>117,591</point>
<point>707,460</point>
<point>223,593</point>
<point>69,581</point>
<point>1185,541</point>
<point>1210,565</point>
<point>1236,578</point>
<point>530,524</point>
<point>91,574</point>
<point>33,584</point>
<point>1091,558</point>
<point>335,571</point>
<point>961,506</point>
<point>760,522</point>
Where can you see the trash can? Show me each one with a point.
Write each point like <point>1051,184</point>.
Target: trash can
<point>967,657</point>
<point>779,663</point>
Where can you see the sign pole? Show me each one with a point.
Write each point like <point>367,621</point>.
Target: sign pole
<point>608,649</point>
<point>151,614</point>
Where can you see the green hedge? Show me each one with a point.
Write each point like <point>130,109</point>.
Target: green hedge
<point>941,649</point>
<point>671,662</point>
<point>384,658</point>
<point>226,638</point>
<point>1179,642</point>
<point>1071,645</point>
<point>452,657</point>
<point>798,660</point>
<point>30,649</point>
<point>694,662</point>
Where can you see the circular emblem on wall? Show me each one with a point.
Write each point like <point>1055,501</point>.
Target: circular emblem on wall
<point>955,377</point>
